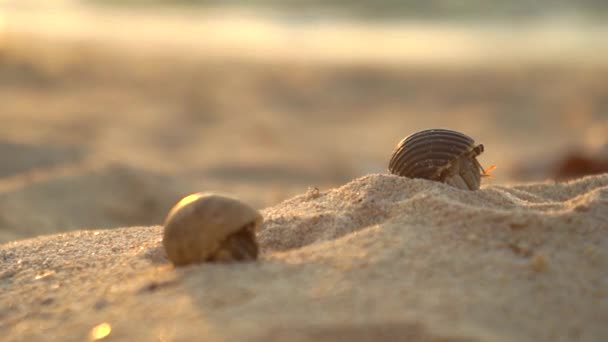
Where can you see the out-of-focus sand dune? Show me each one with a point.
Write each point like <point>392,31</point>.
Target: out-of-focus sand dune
<point>78,196</point>
<point>380,258</point>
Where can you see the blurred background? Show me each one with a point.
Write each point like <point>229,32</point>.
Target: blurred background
<point>110,111</point>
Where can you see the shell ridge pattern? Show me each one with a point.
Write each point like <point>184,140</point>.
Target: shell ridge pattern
<point>439,154</point>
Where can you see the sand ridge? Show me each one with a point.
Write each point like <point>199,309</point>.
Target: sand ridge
<point>381,257</point>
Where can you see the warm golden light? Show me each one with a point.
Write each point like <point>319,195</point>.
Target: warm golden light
<point>44,275</point>
<point>101,331</point>
<point>188,199</point>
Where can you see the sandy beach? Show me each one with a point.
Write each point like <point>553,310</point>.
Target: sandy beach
<point>380,258</point>
<point>102,132</point>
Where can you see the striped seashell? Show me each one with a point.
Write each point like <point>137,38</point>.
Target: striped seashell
<point>441,155</point>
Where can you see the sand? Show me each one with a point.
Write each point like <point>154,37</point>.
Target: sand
<point>380,258</point>
<point>102,130</point>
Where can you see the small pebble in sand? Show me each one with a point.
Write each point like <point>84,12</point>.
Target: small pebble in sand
<point>539,263</point>
<point>441,155</point>
<point>210,227</point>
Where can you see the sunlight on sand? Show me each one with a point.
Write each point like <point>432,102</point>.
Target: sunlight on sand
<point>101,331</point>
<point>2,28</point>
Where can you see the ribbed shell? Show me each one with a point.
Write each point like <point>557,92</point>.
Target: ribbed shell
<point>421,154</point>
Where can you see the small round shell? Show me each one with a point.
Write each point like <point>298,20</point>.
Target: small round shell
<point>441,155</point>
<point>210,227</point>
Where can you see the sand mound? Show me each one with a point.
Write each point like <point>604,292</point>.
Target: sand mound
<point>381,257</point>
<point>83,195</point>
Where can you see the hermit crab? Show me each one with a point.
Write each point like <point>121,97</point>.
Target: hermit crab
<point>441,155</point>
<point>207,227</point>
